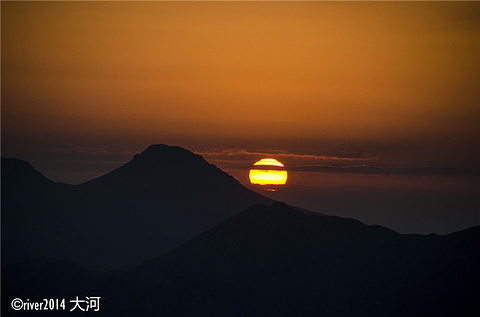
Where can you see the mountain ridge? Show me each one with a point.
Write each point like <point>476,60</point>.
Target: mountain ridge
<point>191,240</point>
<point>153,203</point>
<point>307,264</point>
<point>256,263</point>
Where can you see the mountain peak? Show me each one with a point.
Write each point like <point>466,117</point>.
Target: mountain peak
<point>19,174</point>
<point>162,148</point>
<point>165,154</point>
<point>158,200</point>
<point>19,168</point>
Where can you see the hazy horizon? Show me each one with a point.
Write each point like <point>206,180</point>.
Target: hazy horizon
<point>365,96</point>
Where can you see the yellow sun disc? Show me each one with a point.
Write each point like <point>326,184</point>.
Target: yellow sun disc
<point>269,162</point>
<point>267,176</point>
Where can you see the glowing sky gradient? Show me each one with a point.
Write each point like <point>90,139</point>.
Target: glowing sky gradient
<point>378,83</point>
<point>373,107</point>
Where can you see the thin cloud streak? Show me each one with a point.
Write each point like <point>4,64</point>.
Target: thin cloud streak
<point>409,170</point>
<point>328,163</point>
<point>348,156</point>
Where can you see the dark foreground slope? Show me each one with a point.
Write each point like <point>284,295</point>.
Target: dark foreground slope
<point>277,261</point>
<point>160,199</point>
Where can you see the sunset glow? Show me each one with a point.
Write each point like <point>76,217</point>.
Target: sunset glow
<point>373,106</point>
<point>186,72</point>
<point>319,85</point>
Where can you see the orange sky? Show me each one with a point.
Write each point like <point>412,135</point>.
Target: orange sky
<point>398,81</point>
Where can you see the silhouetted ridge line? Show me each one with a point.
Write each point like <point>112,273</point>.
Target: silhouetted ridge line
<point>171,166</point>
<point>273,260</point>
<point>158,200</point>
<point>161,153</point>
<point>20,171</point>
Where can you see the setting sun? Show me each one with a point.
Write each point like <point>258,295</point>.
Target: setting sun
<point>268,171</point>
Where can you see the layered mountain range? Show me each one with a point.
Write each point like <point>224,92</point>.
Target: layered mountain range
<point>190,240</point>
<point>160,199</point>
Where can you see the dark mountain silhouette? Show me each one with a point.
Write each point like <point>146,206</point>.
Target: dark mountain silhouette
<point>31,209</point>
<point>160,199</point>
<point>278,261</point>
<point>270,260</point>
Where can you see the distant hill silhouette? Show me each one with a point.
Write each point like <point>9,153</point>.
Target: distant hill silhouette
<point>160,199</point>
<point>278,261</point>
